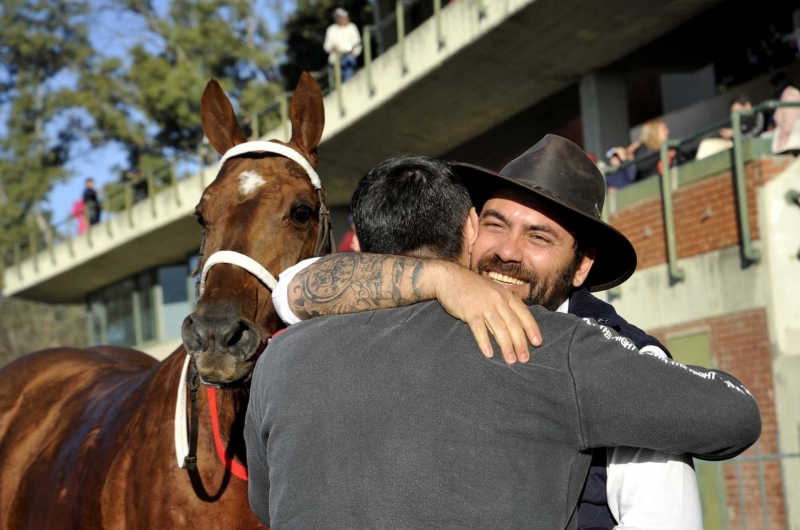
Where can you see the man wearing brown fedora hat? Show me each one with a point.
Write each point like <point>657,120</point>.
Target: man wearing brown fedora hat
<point>540,240</point>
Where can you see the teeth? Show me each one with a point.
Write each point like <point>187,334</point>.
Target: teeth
<point>502,278</point>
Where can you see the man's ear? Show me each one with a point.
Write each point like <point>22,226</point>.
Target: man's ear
<point>472,229</point>
<point>584,267</point>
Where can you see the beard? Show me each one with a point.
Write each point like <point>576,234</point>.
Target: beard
<point>549,292</point>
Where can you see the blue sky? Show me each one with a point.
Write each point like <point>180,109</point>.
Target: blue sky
<point>114,32</point>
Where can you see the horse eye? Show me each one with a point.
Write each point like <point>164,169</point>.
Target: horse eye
<point>200,220</point>
<point>301,214</point>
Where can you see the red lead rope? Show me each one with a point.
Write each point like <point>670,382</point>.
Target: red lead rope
<point>235,467</point>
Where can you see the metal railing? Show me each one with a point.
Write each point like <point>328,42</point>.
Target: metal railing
<point>732,508</point>
<point>749,253</point>
<point>118,200</point>
<point>741,188</point>
<point>278,113</point>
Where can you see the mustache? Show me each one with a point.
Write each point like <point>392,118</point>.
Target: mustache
<point>515,270</point>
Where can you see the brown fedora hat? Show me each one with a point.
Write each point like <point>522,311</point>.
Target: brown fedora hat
<point>558,171</point>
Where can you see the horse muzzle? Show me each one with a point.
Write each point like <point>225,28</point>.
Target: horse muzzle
<point>223,347</point>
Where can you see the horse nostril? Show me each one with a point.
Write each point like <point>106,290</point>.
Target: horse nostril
<point>237,332</point>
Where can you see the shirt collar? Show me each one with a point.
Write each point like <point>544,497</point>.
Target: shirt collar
<point>563,308</point>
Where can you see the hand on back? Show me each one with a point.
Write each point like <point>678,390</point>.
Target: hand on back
<point>487,307</point>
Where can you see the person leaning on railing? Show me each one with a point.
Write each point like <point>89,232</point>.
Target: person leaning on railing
<point>342,38</point>
<point>617,156</point>
<point>751,125</point>
<point>654,133</point>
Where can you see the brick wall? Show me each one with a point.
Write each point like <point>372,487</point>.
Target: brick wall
<point>740,345</point>
<point>705,215</point>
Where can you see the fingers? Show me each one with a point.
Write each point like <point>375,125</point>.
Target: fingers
<point>497,325</point>
<point>519,341</point>
<point>527,321</point>
<point>478,327</point>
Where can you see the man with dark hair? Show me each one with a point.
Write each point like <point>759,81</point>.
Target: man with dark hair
<point>752,124</point>
<point>549,195</point>
<point>388,419</point>
<point>394,204</point>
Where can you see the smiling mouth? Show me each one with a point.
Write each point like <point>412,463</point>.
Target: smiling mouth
<point>504,280</point>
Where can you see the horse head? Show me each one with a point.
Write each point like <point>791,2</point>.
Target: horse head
<point>264,209</point>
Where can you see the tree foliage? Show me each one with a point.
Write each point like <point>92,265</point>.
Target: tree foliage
<point>162,83</point>
<point>57,92</point>
<point>43,45</point>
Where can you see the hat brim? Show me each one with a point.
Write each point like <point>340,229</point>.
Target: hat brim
<point>615,259</point>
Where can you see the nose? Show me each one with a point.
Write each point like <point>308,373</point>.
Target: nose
<point>220,335</point>
<point>223,346</point>
<point>509,250</point>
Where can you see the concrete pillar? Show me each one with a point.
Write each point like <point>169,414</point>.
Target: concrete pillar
<point>604,112</point>
<point>781,244</point>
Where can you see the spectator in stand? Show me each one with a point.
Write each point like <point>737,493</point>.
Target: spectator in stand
<point>654,133</point>
<point>342,37</point>
<point>787,119</point>
<point>91,202</point>
<point>752,125</point>
<point>619,179</point>
<point>79,213</point>
<point>350,239</point>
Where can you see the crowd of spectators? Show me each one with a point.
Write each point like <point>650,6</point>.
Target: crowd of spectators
<point>627,164</point>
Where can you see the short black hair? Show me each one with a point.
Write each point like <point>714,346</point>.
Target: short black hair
<point>411,204</point>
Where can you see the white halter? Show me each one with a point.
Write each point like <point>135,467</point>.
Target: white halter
<point>240,260</point>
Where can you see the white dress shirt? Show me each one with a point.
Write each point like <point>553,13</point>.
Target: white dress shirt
<point>646,489</point>
<point>346,38</point>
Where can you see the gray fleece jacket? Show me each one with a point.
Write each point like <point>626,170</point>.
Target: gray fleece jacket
<point>394,419</point>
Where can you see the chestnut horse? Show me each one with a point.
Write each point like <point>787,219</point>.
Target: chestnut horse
<point>86,436</point>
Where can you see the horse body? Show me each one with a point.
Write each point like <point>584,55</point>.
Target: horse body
<point>87,436</point>
<point>87,443</point>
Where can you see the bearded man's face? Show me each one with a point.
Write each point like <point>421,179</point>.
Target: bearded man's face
<point>522,246</point>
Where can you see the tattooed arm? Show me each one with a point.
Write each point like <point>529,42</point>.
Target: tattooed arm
<point>351,282</point>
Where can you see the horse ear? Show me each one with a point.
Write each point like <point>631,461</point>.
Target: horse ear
<point>308,116</point>
<point>219,121</point>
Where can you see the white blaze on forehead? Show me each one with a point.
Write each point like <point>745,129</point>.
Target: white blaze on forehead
<point>249,181</point>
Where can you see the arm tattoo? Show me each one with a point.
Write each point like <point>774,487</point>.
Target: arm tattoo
<point>350,283</point>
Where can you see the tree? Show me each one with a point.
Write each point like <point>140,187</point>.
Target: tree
<point>168,69</point>
<point>305,34</point>
<point>43,46</point>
